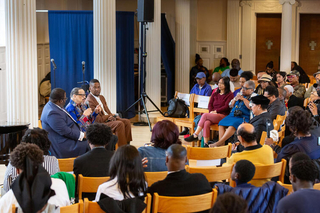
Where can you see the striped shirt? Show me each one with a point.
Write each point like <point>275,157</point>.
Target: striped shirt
<point>50,163</point>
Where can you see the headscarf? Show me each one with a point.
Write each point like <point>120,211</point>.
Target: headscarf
<point>32,187</point>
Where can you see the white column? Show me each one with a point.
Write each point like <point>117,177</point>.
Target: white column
<point>153,60</point>
<point>21,61</point>
<point>246,50</point>
<point>104,45</point>
<point>233,34</point>
<point>182,70</point>
<point>286,35</point>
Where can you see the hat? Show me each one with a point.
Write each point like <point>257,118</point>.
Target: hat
<point>265,77</point>
<point>201,75</point>
<point>314,75</point>
<point>260,99</point>
<point>294,72</point>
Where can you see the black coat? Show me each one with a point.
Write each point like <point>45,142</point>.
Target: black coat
<point>294,101</point>
<point>276,108</point>
<point>304,78</point>
<point>260,124</point>
<point>94,163</point>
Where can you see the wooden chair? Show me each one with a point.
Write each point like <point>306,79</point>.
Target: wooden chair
<point>263,137</point>
<point>197,153</point>
<point>306,102</point>
<point>281,135</point>
<point>213,173</point>
<point>89,184</point>
<point>289,186</point>
<point>39,124</point>
<point>66,164</point>
<point>268,171</point>
<point>195,203</point>
<point>13,208</point>
<point>75,208</point>
<point>153,177</point>
<point>93,207</point>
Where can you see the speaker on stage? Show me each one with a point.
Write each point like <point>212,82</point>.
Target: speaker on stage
<point>145,10</point>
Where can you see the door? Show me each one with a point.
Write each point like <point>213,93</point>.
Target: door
<point>268,40</point>
<point>309,50</point>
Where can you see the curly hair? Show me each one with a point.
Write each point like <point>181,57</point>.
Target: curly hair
<point>299,120</point>
<point>99,134</point>
<point>229,203</point>
<point>39,137</point>
<point>245,169</point>
<point>305,170</point>
<point>23,150</point>
<point>164,134</point>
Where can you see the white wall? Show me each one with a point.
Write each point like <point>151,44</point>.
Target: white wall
<point>3,89</point>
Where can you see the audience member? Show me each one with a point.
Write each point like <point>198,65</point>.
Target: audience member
<point>312,90</point>
<point>304,198</point>
<point>224,64</point>
<point>243,172</point>
<point>276,107</point>
<point>164,134</point>
<point>126,176</point>
<point>299,89</point>
<point>64,132</point>
<point>33,189</point>
<point>50,163</point>
<point>179,182</point>
<point>304,78</point>
<point>259,90</point>
<point>270,71</point>
<point>198,68</point>
<point>215,80</point>
<point>299,122</point>
<point>240,112</point>
<point>252,150</point>
<point>81,111</point>
<point>281,79</point>
<point>218,109</point>
<point>120,126</point>
<point>264,81</point>
<point>235,64</point>
<point>95,163</point>
<point>201,87</point>
<point>234,78</point>
<point>245,76</point>
<point>292,99</point>
<point>229,203</point>
<point>282,95</point>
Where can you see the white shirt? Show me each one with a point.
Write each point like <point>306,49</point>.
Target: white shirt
<point>60,199</point>
<point>100,103</point>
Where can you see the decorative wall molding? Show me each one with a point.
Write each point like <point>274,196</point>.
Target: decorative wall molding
<point>211,59</point>
<point>243,3</point>
<point>287,1</point>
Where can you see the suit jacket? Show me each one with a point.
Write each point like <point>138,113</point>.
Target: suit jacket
<point>63,132</point>
<point>94,163</point>
<point>294,101</point>
<point>276,108</point>
<point>181,183</point>
<point>101,117</point>
<point>259,123</point>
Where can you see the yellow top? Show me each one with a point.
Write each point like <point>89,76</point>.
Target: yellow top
<point>261,155</point>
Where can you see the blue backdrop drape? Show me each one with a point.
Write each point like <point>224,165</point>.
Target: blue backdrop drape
<point>71,42</point>
<point>168,56</point>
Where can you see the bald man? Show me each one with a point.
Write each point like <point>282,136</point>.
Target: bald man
<point>179,182</point>
<point>253,151</point>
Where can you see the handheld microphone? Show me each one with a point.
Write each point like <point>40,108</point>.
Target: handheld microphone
<point>53,64</point>
<point>83,65</point>
<point>268,128</point>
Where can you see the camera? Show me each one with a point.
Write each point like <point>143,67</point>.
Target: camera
<point>237,113</point>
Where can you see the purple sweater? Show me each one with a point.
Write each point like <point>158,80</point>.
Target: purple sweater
<point>220,103</point>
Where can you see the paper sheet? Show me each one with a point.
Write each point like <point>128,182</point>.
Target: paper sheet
<point>203,102</point>
<point>185,98</point>
<point>216,162</point>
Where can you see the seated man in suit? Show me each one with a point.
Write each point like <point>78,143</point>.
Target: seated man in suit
<point>95,163</point>
<point>253,151</point>
<point>179,182</point>
<point>121,127</point>
<point>64,132</point>
<point>275,106</point>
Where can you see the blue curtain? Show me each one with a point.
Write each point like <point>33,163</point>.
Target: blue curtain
<point>71,42</point>
<point>125,63</point>
<point>168,55</point>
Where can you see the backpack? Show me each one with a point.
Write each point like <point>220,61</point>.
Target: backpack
<point>177,108</point>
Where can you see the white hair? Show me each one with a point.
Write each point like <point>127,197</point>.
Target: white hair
<point>289,88</point>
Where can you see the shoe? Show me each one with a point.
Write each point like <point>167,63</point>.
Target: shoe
<point>191,138</point>
<point>184,132</point>
<point>187,135</point>
<point>205,145</point>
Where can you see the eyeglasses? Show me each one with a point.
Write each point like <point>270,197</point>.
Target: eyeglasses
<point>81,95</point>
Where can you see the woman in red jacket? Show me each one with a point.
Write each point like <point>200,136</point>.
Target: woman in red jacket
<point>218,109</point>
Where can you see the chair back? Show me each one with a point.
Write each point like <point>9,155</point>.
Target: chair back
<point>153,177</point>
<point>195,203</point>
<point>289,186</point>
<point>268,171</point>
<point>213,173</point>
<point>93,207</point>
<point>197,99</point>
<point>75,208</point>
<point>197,153</point>
<point>66,164</point>
<point>39,124</point>
<point>263,137</point>
<point>13,208</point>
<point>89,184</point>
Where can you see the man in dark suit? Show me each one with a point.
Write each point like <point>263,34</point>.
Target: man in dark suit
<point>276,107</point>
<point>67,140</point>
<point>179,182</point>
<point>95,163</point>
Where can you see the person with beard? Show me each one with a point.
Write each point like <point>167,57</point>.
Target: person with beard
<point>224,64</point>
